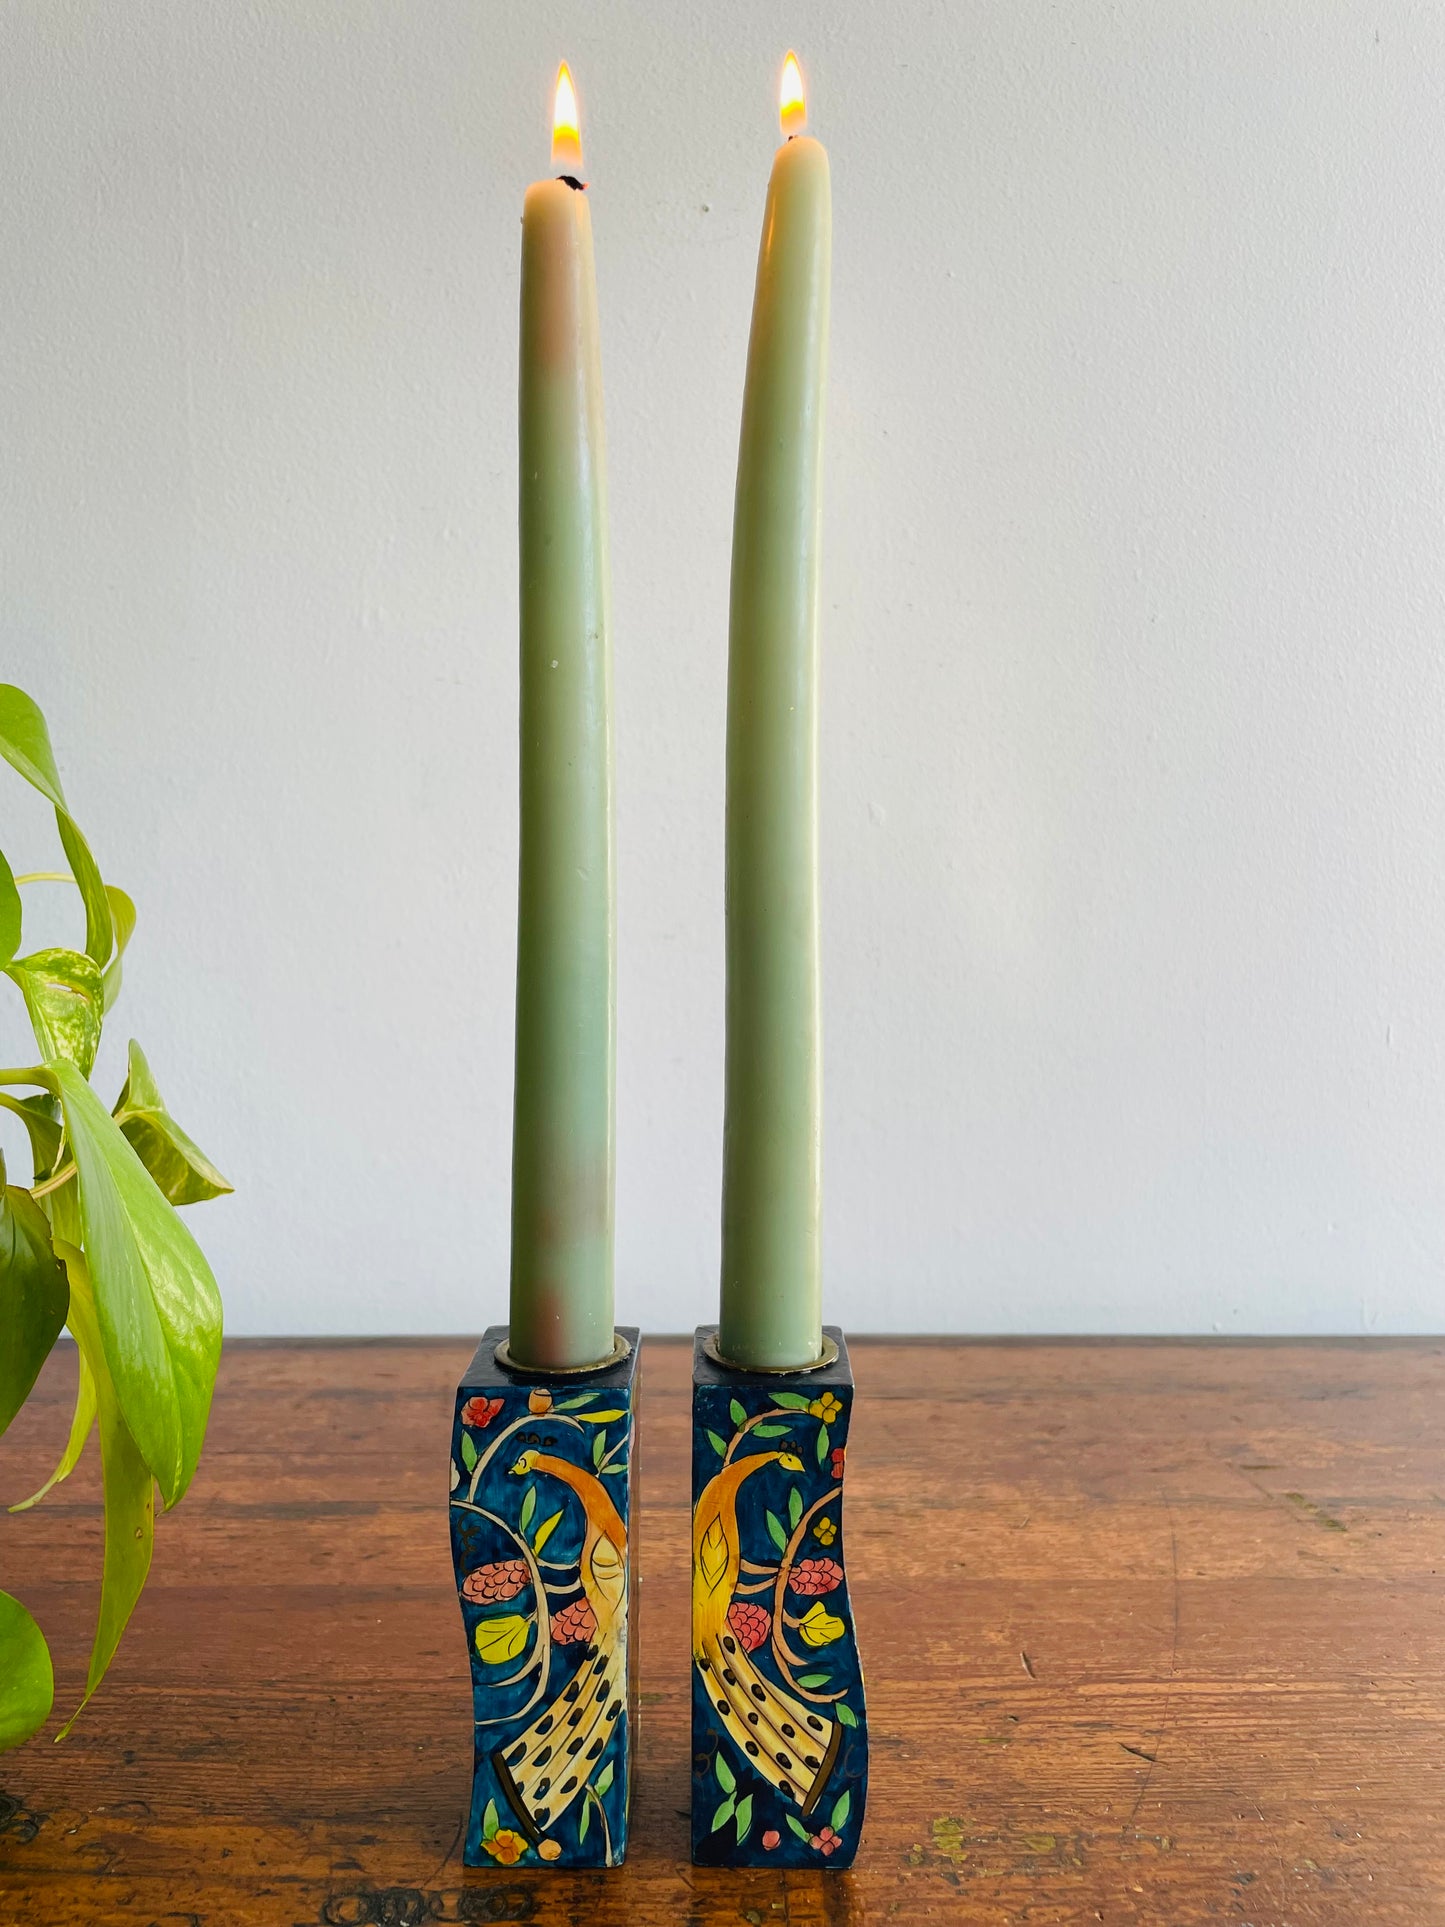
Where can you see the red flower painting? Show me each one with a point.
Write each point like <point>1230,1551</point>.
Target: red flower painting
<point>812,1577</point>
<point>478,1412</point>
<point>749,1624</point>
<point>574,1625</point>
<point>486,1585</point>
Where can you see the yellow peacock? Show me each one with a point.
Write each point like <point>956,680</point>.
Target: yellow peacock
<point>544,1770</point>
<point>791,1745</point>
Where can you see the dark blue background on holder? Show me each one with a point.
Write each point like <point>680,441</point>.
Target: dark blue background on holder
<point>476,1541</point>
<point>714,1394</point>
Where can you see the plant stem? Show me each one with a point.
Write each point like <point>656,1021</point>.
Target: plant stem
<point>62,1176</point>
<point>46,876</point>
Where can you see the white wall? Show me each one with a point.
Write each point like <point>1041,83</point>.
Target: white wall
<point>1135,587</point>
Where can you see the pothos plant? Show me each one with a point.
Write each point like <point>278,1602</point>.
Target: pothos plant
<point>94,1242</point>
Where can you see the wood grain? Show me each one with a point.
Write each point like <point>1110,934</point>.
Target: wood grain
<point>1154,1634</point>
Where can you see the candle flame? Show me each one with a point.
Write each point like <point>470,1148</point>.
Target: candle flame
<point>792,100</point>
<point>566,125</point>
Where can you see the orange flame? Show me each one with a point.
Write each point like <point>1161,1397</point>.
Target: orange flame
<point>792,100</point>
<point>566,125</point>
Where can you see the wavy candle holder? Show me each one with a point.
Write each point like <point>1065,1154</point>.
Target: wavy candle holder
<point>779,1726</point>
<point>541,1510</point>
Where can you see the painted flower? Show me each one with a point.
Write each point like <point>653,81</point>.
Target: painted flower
<point>749,1623</point>
<point>836,1455</point>
<point>814,1576</point>
<point>574,1625</point>
<point>506,1846</point>
<point>825,1532</point>
<point>488,1585</point>
<point>825,1840</point>
<point>826,1408</point>
<point>771,1839</point>
<point>539,1402</point>
<point>478,1412</point>
<point>550,1849</point>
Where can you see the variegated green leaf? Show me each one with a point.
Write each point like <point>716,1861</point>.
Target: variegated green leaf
<point>65,998</point>
<point>25,745</point>
<point>180,1168</point>
<point>157,1306</point>
<point>81,1421</point>
<point>128,1488</point>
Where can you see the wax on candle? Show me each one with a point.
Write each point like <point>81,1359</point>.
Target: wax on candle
<point>562,1141</point>
<point>771,1262</point>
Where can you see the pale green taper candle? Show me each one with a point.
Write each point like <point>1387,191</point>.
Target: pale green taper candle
<point>771,1260</point>
<point>562,1140</point>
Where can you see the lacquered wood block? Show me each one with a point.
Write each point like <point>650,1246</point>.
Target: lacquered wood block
<point>541,1509</point>
<point>779,1728</point>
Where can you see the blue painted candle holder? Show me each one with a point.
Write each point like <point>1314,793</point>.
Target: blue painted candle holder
<point>541,1509</point>
<point>779,1729</point>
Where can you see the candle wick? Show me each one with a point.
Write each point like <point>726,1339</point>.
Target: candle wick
<point>573,182</point>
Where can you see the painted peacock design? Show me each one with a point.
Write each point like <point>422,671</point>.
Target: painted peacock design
<point>548,1766</point>
<point>789,1744</point>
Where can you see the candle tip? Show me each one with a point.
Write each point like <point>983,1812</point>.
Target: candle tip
<point>792,100</point>
<point>566,124</point>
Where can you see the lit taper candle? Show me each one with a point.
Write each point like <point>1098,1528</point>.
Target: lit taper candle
<point>562,1137</point>
<point>771,1270</point>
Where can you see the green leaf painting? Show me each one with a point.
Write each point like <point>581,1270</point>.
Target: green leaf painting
<point>776,1532</point>
<point>792,1401</point>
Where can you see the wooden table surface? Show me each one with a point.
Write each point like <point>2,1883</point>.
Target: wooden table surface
<point>1153,1631</point>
